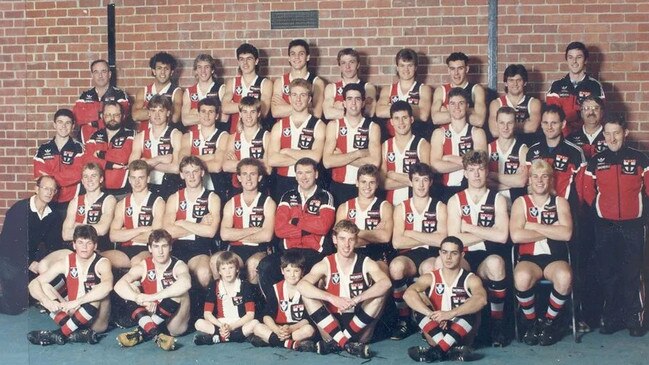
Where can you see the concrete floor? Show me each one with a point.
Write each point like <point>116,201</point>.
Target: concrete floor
<point>595,349</point>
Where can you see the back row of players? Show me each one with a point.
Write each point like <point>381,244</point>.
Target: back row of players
<point>343,146</point>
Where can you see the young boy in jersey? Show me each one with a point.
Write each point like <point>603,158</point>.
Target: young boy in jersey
<point>541,226</point>
<point>346,309</point>
<point>229,310</point>
<point>85,310</point>
<point>284,323</point>
<point>161,300</point>
<point>453,297</point>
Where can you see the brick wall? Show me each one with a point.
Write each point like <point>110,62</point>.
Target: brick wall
<point>46,47</point>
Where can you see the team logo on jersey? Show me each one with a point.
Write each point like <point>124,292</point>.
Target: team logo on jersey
<point>521,114</point>
<point>391,157</point>
<point>164,147</point>
<point>145,219</point>
<point>360,140</point>
<point>466,210</point>
<point>429,226</point>
<point>511,167</point>
<point>534,212</point>
<point>410,217</point>
<point>237,301</point>
<point>629,167</point>
<point>194,97</point>
<point>183,205</point>
<point>297,311</point>
<point>494,156</point>
<point>74,272</point>
<point>286,132</point>
<point>196,142</point>
<point>119,142</point>
<point>81,210</point>
<point>339,90</point>
<point>286,89</point>
<point>465,145</point>
<point>129,211</point>
<point>148,97</point>
<point>93,216</point>
<point>306,139</point>
<point>335,278</point>
<point>150,275</point>
<point>237,145</point>
<point>314,206</point>
<point>549,217</point>
<point>147,144</point>
<point>343,131</point>
<point>439,288</point>
<point>561,163</point>
<point>238,90</point>
<point>283,305</point>
<point>67,157</point>
<point>257,152</point>
<point>238,212</point>
<point>200,208</point>
<point>371,223</point>
<point>394,99</point>
<point>356,288</point>
<point>486,219</point>
<point>352,213</point>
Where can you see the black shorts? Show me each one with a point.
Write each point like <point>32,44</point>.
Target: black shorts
<point>419,255</point>
<point>132,251</point>
<point>475,258</point>
<point>246,251</point>
<point>378,252</point>
<point>185,250</point>
<point>342,192</point>
<point>543,261</point>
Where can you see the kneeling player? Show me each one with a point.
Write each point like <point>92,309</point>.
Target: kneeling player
<point>284,322</point>
<point>163,298</point>
<point>229,311</point>
<point>456,297</point>
<point>354,294</point>
<point>88,280</point>
<point>541,225</point>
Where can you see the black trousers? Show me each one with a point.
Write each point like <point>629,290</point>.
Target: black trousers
<point>619,248</point>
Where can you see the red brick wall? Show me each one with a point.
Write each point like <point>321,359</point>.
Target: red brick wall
<point>46,47</point>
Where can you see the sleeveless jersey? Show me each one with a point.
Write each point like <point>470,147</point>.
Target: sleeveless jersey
<point>195,94</point>
<point>456,144</point>
<point>246,216</point>
<point>229,306</point>
<point>206,145</point>
<point>244,149</point>
<point>338,96</point>
<point>350,139</point>
<point>400,161</point>
<point>412,97</point>
<point>89,212</point>
<point>507,163</point>
<point>293,137</point>
<point>149,92</point>
<point>366,219</point>
<point>468,89</point>
<point>286,82</point>
<point>79,282</point>
<point>152,282</point>
<point>192,211</point>
<point>482,213</point>
<point>289,309</point>
<point>152,147</point>
<point>143,214</point>
<point>522,108</point>
<point>346,284</point>
<point>548,215</point>
<point>240,90</point>
<point>425,221</point>
<point>446,296</point>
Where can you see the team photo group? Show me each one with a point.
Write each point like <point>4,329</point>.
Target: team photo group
<point>320,217</point>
